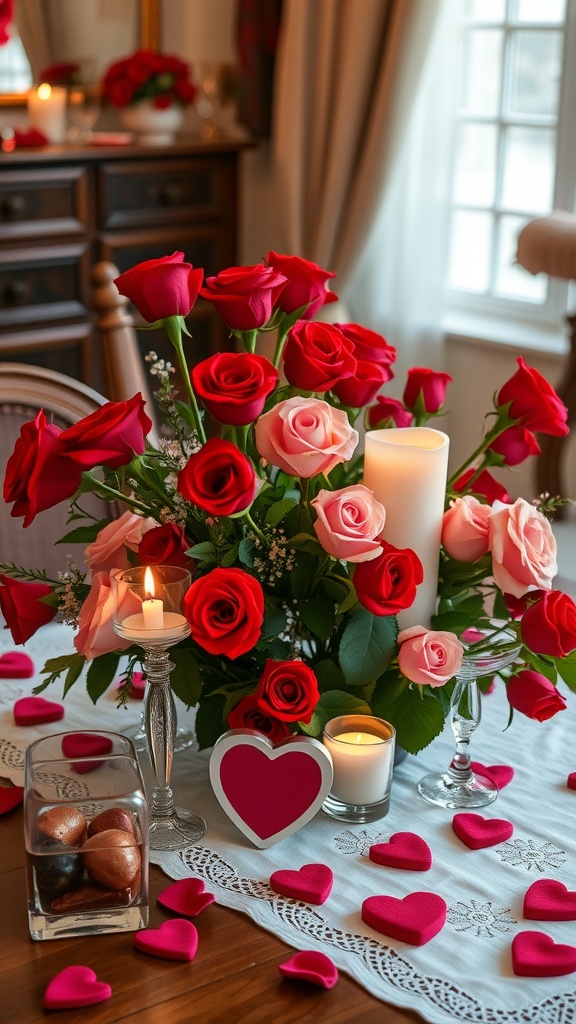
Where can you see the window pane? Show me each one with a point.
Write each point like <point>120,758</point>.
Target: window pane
<point>486,10</point>
<point>480,92</point>
<point>529,160</point>
<point>15,73</point>
<point>512,281</point>
<point>535,66</point>
<point>470,250</point>
<point>475,171</point>
<point>549,11</point>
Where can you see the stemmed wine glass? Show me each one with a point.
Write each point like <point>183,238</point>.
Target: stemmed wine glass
<point>459,786</point>
<point>148,612</point>
<point>84,110</point>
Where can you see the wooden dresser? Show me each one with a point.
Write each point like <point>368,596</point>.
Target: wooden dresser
<point>63,208</point>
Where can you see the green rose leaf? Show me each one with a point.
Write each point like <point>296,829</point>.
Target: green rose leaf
<point>280,509</point>
<point>185,676</point>
<point>415,713</point>
<point>210,722</point>
<point>367,646</point>
<point>318,616</point>
<point>100,674</point>
<point>275,622</point>
<point>332,704</point>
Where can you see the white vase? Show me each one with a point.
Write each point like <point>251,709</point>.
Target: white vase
<point>153,126</point>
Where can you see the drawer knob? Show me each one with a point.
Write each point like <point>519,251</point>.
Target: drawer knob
<point>12,206</point>
<point>16,292</point>
<point>171,195</point>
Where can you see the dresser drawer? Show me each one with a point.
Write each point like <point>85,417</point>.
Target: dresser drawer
<point>203,246</point>
<point>48,283</point>
<point>43,203</point>
<point>164,192</point>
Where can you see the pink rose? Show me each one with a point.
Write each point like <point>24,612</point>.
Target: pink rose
<point>305,436</point>
<point>523,548</point>
<point>533,401</point>
<point>369,345</point>
<point>388,412</point>
<point>429,656</point>
<point>362,387</point>
<point>317,356</point>
<point>465,528</point>
<point>96,634</point>
<point>349,523</point>
<point>534,696</point>
<point>515,445</point>
<point>306,284</point>
<point>244,296</point>
<point>161,288</point>
<point>108,551</point>
<point>427,387</point>
<point>484,484</point>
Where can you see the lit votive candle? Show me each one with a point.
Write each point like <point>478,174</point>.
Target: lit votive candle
<point>47,111</point>
<point>362,751</point>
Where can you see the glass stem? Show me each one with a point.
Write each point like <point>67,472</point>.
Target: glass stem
<point>160,729</point>
<point>466,710</point>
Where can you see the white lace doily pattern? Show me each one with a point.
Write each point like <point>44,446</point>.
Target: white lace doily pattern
<point>464,974</point>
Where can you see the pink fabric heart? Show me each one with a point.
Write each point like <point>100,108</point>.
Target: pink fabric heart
<point>75,986</point>
<point>571,780</point>
<point>549,900</point>
<point>137,687</point>
<point>16,665</point>
<point>499,774</point>
<point>85,744</point>
<point>415,919</point>
<point>310,965</point>
<point>186,897</point>
<point>536,955</point>
<point>477,832</point>
<point>312,883</point>
<point>10,797</point>
<point>173,940</point>
<point>403,850</point>
<point>35,710</point>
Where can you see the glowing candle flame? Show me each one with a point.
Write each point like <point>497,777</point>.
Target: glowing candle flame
<point>44,91</point>
<point>149,589</point>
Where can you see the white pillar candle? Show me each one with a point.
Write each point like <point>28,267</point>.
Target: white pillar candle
<point>407,468</point>
<point>47,111</point>
<point>153,613</point>
<point>362,756</point>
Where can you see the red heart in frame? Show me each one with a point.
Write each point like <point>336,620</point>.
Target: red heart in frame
<point>312,883</point>
<point>269,791</point>
<point>173,940</point>
<point>186,897</point>
<point>403,850</point>
<point>415,919</point>
<point>549,900</point>
<point>36,710</point>
<point>310,965</point>
<point>10,797</point>
<point>16,665</point>
<point>536,955</point>
<point>75,986</point>
<point>85,744</point>
<point>477,832</point>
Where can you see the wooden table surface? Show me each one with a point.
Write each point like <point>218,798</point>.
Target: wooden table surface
<point>233,978</point>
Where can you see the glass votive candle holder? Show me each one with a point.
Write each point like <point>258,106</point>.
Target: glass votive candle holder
<point>362,750</point>
<point>148,604</point>
<point>86,836</point>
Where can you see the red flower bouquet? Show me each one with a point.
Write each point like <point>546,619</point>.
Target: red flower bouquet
<point>258,490</point>
<point>146,75</point>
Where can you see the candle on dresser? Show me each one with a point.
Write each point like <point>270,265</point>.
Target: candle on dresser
<point>407,468</point>
<point>47,111</point>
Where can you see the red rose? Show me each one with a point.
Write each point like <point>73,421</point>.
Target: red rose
<point>485,485</point>
<point>306,284</point>
<point>111,436</point>
<point>388,412</point>
<point>369,345</point>
<point>234,386</point>
<point>317,356</point>
<point>361,388</point>
<point>534,695</point>
<point>549,625</point>
<point>534,403</point>
<point>22,608</point>
<point>429,385</point>
<point>36,477</point>
<point>218,478</point>
<point>244,296</point>
<point>165,545</point>
<point>515,444</point>
<point>161,288</point>
<point>288,690</point>
<point>248,715</point>
<point>225,610</point>
<point>387,584</point>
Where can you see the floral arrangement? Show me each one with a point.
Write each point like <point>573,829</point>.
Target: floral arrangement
<point>65,73</point>
<point>256,487</point>
<point>147,75</point>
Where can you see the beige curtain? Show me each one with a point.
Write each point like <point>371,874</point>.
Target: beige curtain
<point>346,77</point>
<point>37,27</point>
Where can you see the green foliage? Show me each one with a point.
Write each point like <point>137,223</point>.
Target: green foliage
<point>416,715</point>
<point>367,646</point>
<point>100,674</point>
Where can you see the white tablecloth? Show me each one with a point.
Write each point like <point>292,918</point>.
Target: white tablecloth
<point>465,972</point>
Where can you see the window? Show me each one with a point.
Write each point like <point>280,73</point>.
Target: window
<point>514,151</point>
<point>15,74</point>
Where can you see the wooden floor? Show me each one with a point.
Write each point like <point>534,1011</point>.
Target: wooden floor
<point>234,978</point>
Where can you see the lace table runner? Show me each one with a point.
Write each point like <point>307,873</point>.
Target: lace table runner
<point>464,973</point>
